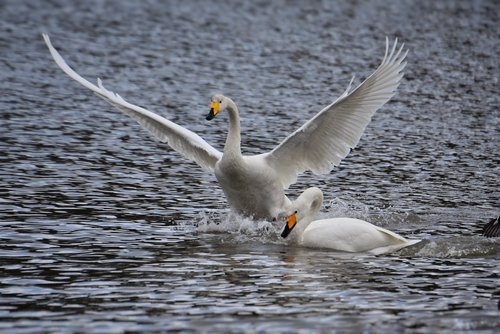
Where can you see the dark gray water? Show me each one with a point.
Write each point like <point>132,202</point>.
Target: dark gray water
<point>104,230</point>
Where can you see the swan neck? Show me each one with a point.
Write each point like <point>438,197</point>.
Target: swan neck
<point>309,204</point>
<point>233,139</point>
<point>302,225</point>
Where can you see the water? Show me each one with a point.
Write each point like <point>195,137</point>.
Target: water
<point>105,230</point>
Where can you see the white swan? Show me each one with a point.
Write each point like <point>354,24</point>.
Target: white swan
<point>343,234</point>
<point>254,185</point>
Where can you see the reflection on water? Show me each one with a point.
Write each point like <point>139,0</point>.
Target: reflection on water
<point>104,230</point>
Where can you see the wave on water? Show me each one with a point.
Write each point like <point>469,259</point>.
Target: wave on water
<point>455,247</point>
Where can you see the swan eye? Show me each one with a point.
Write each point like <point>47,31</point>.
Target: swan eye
<point>295,212</point>
<point>220,101</point>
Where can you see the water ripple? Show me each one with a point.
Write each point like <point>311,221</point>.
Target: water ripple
<point>104,230</point>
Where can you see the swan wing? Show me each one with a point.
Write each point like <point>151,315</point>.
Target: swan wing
<point>322,142</point>
<point>392,241</point>
<point>182,140</point>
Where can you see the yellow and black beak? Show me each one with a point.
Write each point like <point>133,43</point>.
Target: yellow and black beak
<point>214,110</point>
<point>291,221</point>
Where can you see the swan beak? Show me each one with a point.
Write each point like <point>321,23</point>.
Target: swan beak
<point>291,221</point>
<point>214,110</point>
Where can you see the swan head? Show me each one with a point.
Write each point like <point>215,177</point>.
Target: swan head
<point>218,103</point>
<point>302,211</point>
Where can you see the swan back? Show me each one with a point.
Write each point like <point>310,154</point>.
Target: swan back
<point>352,235</point>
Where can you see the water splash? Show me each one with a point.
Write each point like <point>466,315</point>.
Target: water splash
<point>346,207</point>
<point>241,228</point>
<point>383,217</point>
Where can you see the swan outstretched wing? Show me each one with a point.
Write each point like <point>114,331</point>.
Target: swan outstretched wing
<point>327,138</point>
<point>184,141</point>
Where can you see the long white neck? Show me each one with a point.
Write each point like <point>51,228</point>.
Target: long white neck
<point>307,205</point>
<point>232,146</point>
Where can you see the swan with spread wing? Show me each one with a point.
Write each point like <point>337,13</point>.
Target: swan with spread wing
<point>255,185</point>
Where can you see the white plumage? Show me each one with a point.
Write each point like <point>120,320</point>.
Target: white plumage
<point>342,234</point>
<point>255,185</point>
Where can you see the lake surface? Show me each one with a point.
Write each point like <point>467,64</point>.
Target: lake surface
<point>104,230</point>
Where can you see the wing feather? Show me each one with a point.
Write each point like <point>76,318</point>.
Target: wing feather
<point>182,140</point>
<point>326,139</point>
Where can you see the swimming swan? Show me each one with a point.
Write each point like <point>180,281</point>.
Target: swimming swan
<point>255,185</point>
<point>343,234</point>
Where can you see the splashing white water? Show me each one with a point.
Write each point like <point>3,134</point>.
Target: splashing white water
<point>353,208</point>
<point>269,231</point>
<point>345,207</point>
<point>233,228</point>
<point>240,227</point>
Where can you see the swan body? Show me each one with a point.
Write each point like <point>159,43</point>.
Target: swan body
<point>342,234</point>
<point>255,185</point>
<point>245,180</point>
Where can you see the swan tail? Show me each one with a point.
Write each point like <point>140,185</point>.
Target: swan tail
<point>394,248</point>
